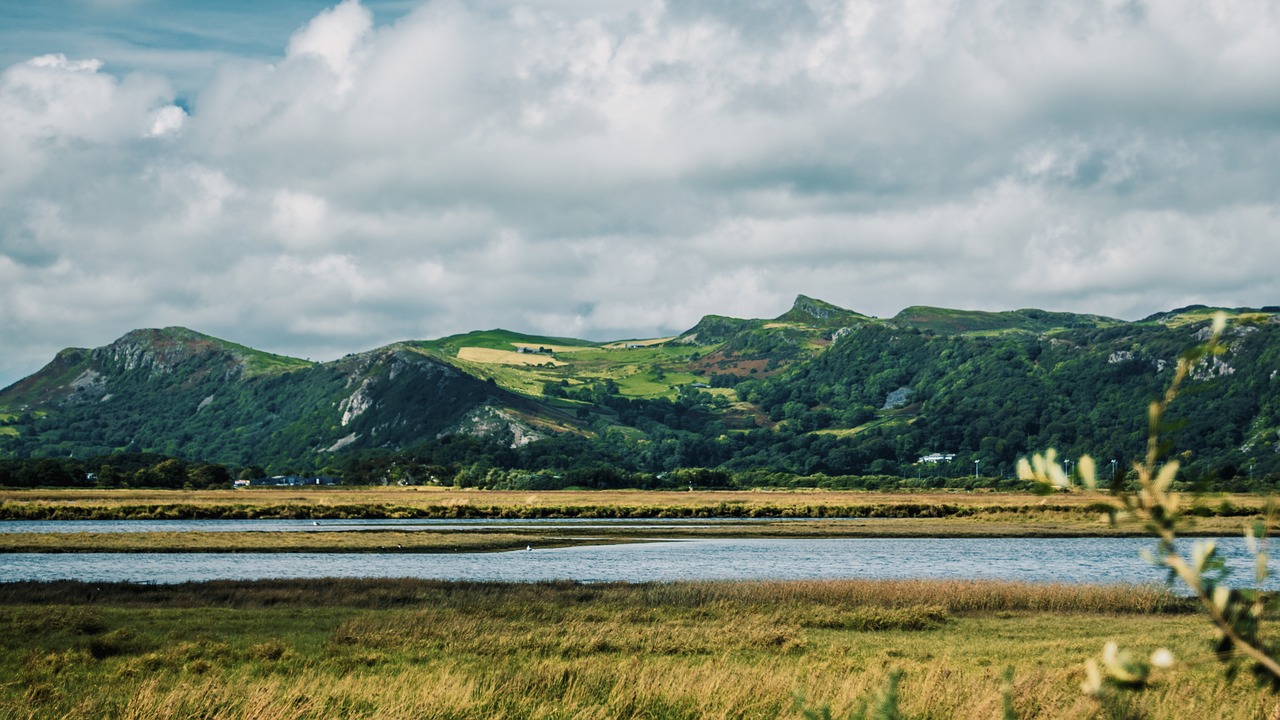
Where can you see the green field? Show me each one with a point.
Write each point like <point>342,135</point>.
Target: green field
<point>424,649</point>
<point>1190,316</point>
<point>650,371</point>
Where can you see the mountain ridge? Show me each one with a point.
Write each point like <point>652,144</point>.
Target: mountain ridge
<point>845,391</point>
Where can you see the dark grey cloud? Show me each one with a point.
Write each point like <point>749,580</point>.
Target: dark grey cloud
<point>396,170</point>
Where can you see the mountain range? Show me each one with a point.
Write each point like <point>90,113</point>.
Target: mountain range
<point>818,389</point>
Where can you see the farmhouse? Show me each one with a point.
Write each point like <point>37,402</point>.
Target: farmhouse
<point>289,481</point>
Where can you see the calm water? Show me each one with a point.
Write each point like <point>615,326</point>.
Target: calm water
<point>1072,560</point>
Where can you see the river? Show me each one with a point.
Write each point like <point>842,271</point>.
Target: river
<point>1069,560</point>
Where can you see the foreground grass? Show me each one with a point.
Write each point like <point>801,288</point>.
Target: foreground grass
<point>399,649</point>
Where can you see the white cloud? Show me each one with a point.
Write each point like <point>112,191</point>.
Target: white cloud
<point>166,120</point>
<point>333,35</point>
<point>298,218</point>
<point>624,168</point>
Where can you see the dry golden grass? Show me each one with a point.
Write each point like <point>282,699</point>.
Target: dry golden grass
<point>385,541</point>
<point>489,356</point>
<point>953,596</point>
<point>805,513</point>
<point>561,650</point>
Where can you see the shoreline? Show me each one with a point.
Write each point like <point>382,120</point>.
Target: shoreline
<point>425,540</point>
<point>808,514</point>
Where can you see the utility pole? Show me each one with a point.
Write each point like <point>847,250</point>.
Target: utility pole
<point>975,469</point>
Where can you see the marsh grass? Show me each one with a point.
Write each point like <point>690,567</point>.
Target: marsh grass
<point>66,603</point>
<point>382,541</point>
<point>424,502</point>
<point>415,648</point>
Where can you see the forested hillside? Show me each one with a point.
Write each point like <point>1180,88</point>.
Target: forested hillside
<point>819,391</point>
<point>990,398</point>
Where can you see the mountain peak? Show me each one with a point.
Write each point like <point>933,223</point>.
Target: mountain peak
<point>162,349</point>
<point>813,311</point>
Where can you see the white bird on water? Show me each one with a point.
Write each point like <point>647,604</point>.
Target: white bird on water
<point>528,548</point>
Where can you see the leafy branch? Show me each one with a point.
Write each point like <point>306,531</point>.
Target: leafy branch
<point>1237,614</point>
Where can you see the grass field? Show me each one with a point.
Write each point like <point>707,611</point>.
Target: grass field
<point>493,354</point>
<point>487,356</point>
<point>424,649</point>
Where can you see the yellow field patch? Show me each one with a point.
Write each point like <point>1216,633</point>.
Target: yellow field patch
<point>12,432</point>
<point>555,348</point>
<point>487,356</point>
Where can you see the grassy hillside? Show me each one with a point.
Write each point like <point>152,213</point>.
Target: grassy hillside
<point>1198,314</point>
<point>943,320</point>
<point>640,369</point>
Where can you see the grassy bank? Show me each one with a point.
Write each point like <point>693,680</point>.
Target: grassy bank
<point>397,648</point>
<point>348,503</point>
<point>448,540</point>
<point>291,542</point>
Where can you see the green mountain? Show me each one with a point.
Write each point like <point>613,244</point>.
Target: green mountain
<point>818,389</point>
<point>181,393</point>
<point>992,386</point>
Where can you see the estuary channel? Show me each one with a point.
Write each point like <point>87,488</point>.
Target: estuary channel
<point>1066,560</point>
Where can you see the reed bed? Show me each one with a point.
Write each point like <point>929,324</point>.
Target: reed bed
<point>346,503</point>
<point>367,541</point>
<point>955,596</point>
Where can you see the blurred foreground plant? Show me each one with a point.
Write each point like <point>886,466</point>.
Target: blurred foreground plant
<point>1237,614</point>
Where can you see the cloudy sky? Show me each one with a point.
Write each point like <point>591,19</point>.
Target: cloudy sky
<point>316,178</point>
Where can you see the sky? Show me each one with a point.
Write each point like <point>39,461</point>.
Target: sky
<point>315,178</point>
